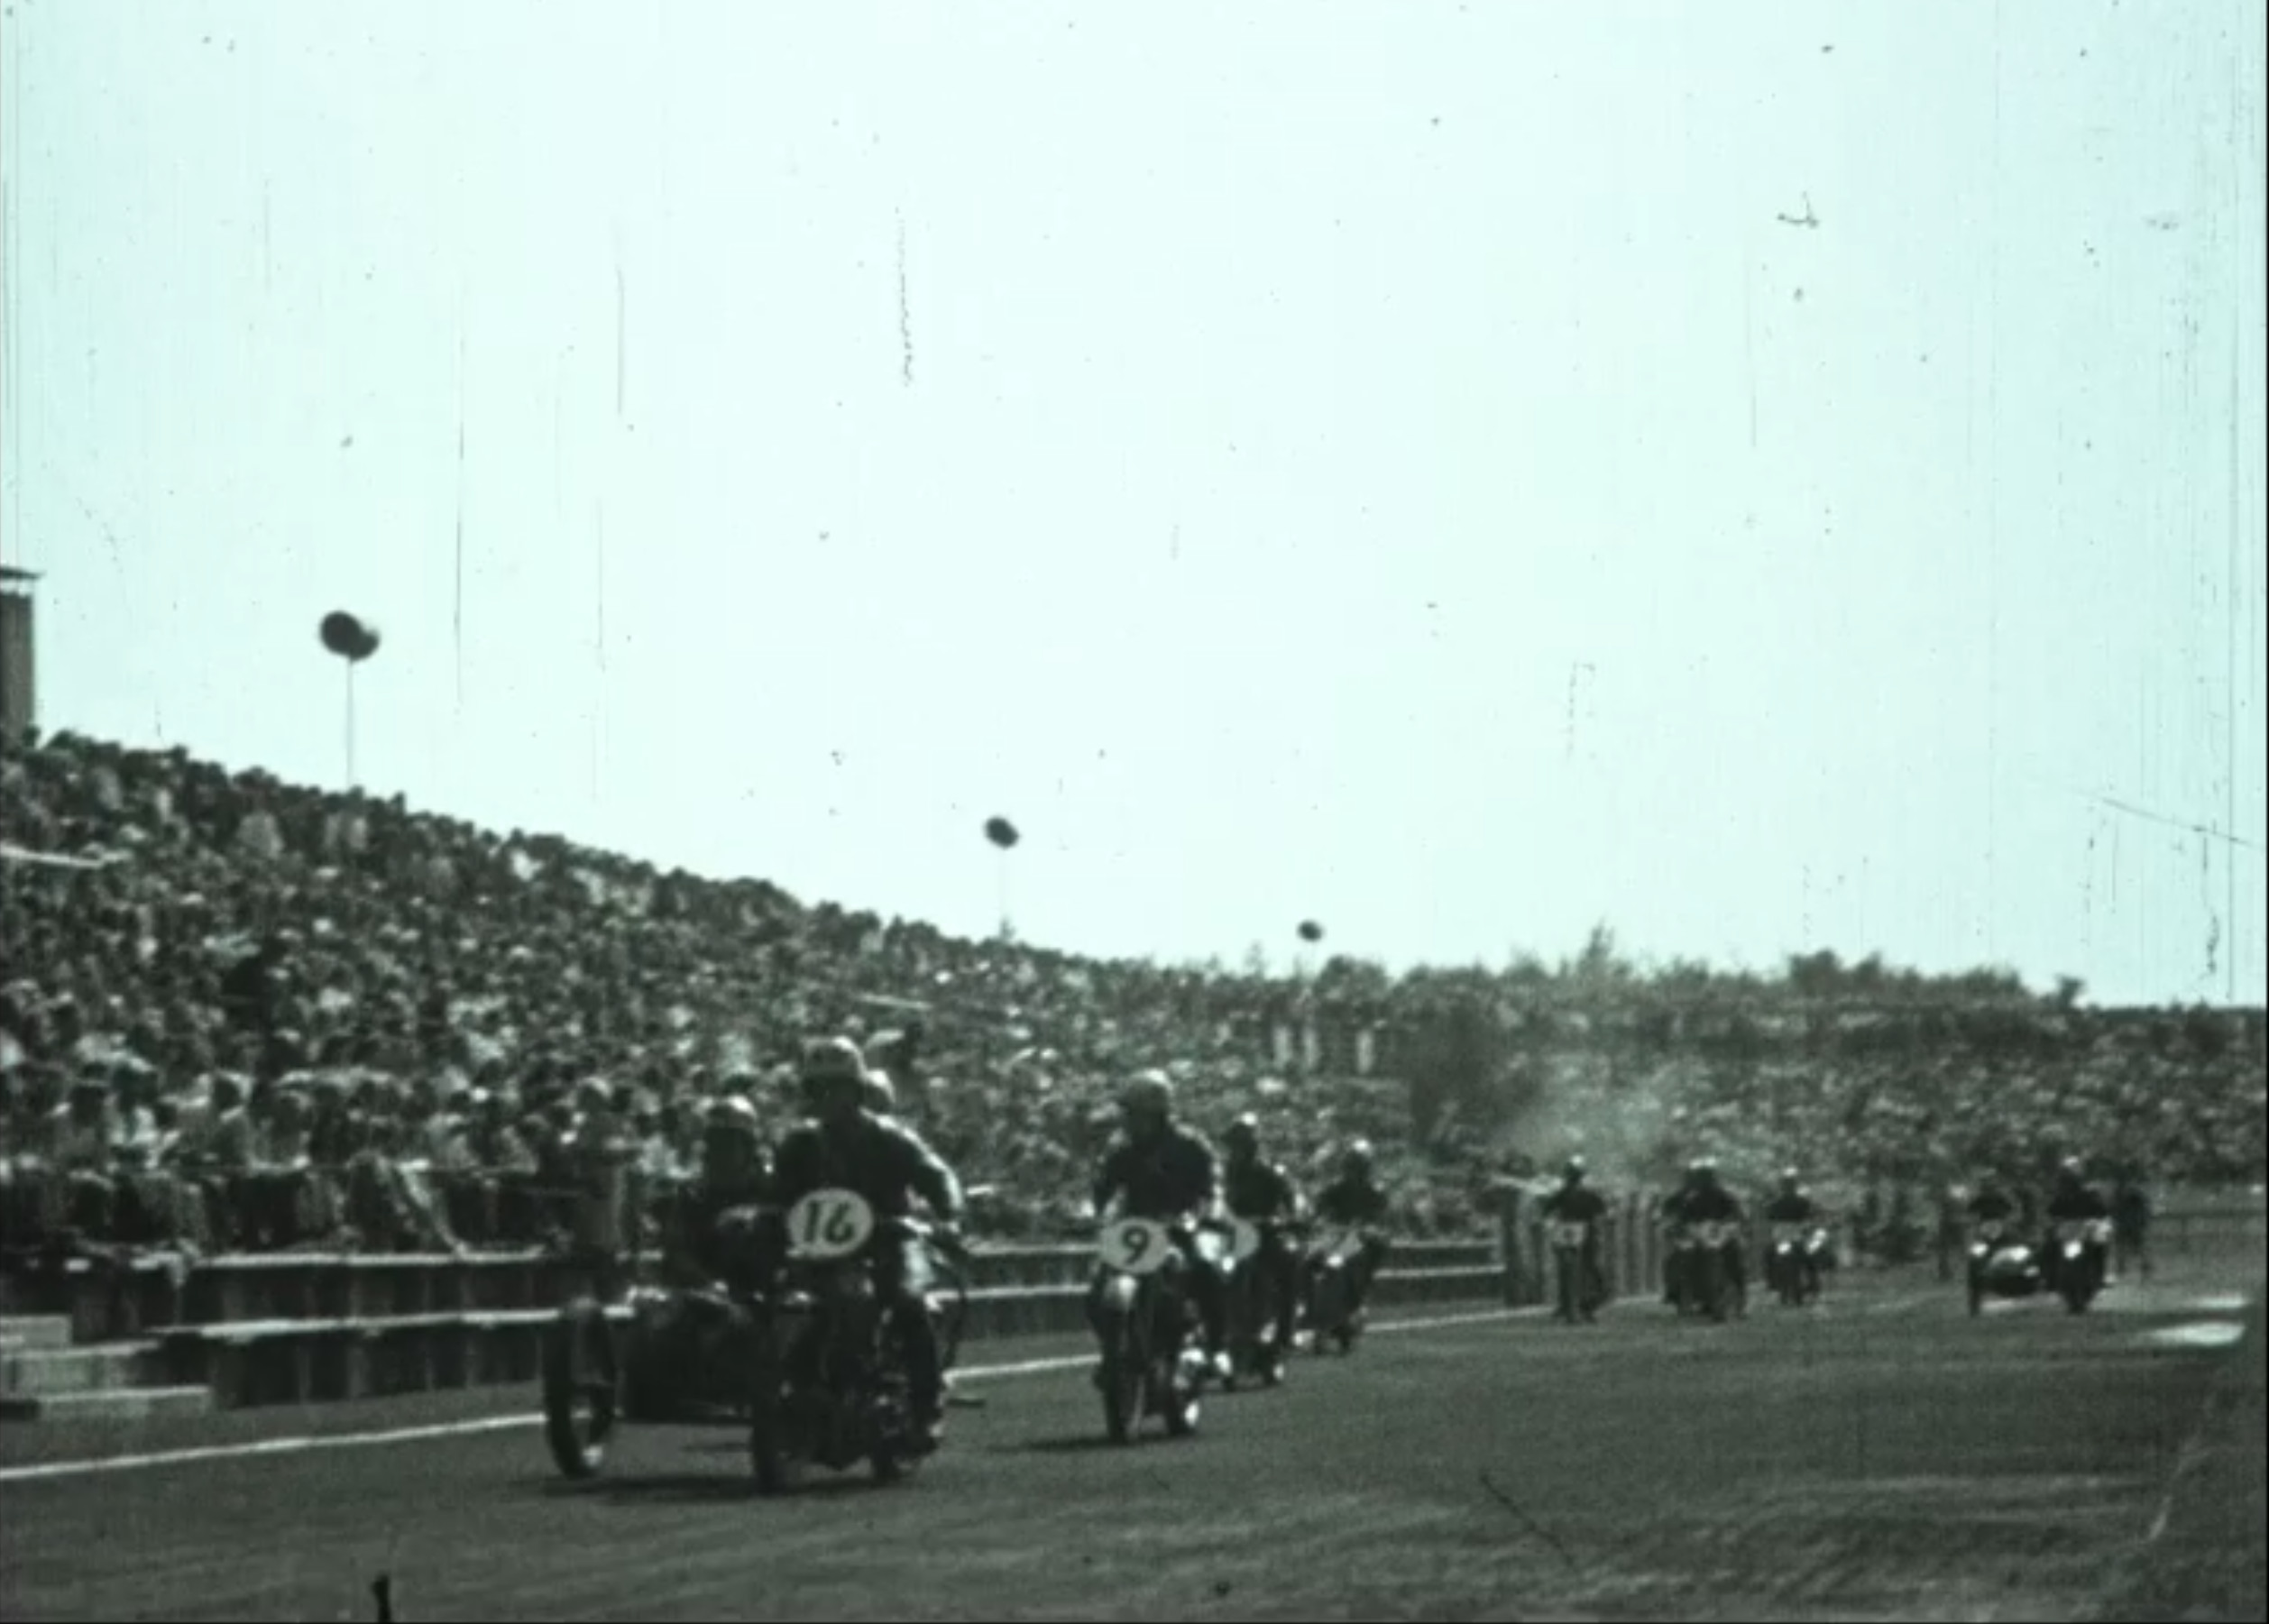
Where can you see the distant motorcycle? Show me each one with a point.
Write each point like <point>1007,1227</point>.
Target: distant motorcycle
<point>2002,1264</point>
<point>1328,1273</point>
<point>1793,1265</point>
<point>1703,1281</point>
<point>1253,1314</point>
<point>1153,1361</point>
<point>800,1350</point>
<point>2080,1251</point>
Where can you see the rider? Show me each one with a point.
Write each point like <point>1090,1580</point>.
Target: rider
<point>1575,1202</point>
<point>1262,1193</point>
<point>1991,1204</point>
<point>1707,1201</point>
<point>2072,1198</point>
<point>1672,1214</point>
<point>709,1219</point>
<point>1163,1172</point>
<point>1794,1204</point>
<point>846,1146</point>
<point>1353,1201</point>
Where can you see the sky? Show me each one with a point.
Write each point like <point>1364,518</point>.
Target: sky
<point>1766,477</point>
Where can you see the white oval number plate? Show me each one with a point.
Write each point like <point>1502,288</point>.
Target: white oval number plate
<point>828,1225</point>
<point>1134,1245</point>
<point>1244,1239</point>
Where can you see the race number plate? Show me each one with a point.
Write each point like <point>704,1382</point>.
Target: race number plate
<point>1567,1235</point>
<point>1134,1245</point>
<point>1712,1234</point>
<point>1244,1239</point>
<point>829,1224</point>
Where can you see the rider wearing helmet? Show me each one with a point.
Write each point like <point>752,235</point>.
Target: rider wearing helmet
<point>846,1146</point>
<point>1353,1201</point>
<point>1262,1193</point>
<point>1704,1200</point>
<point>1793,1203</point>
<point>1575,1202</point>
<point>2072,1198</point>
<point>1992,1202</point>
<point>712,1217</point>
<point>1160,1170</point>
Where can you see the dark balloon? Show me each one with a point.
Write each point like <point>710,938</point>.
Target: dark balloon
<point>348,637</point>
<point>1309,931</point>
<point>1001,832</point>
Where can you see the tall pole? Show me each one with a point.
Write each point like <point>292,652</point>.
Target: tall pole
<point>349,723</point>
<point>1005,932</point>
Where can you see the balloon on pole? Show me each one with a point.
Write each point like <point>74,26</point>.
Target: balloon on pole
<point>352,640</point>
<point>1004,836</point>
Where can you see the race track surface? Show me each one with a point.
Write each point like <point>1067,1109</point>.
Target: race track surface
<point>1881,1456</point>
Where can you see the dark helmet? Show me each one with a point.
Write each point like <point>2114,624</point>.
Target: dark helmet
<point>1356,1157</point>
<point>1789,1180</point>
<point>1573,1170</point>
<point>732,1118</point>
<point>1148,1093</point>
<point>833,1070</point>
<point>1245,1133</point>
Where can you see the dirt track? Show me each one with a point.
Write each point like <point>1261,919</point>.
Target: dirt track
<point>1880,1457</point>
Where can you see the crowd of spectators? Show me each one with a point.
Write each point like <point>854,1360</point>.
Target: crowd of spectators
<point>246,1016</point>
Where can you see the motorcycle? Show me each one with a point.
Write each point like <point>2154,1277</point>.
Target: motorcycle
<point>1698,1254</point>
<point>1793,1265</point>
<point>1577,1294</point>
<point>1331,1313</point>
<point>2077,1261</point>
<point>833,1385</point>
<point>2000,1264</point>
<point>1253,1317</point>
<point>1153,1362</point>
<point>798,1349</point>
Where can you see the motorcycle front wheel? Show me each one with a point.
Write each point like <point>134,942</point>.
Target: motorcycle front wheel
<point>1122,1379</point>
<point>579,1389</point>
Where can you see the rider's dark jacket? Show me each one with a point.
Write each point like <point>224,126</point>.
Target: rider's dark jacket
<point>1992,1204</point>
<point>1259,1191</point>
<point>883,1160</point>
<point>2077,1201</point>
<point>1164,1178</point>
<point>695,1241</point>
<point>1791,1208</point>
<point>1575,1203</point>
<point>1352,1199</point>
<point>1705,1204</point>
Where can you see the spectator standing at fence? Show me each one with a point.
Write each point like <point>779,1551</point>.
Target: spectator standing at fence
<point>599,1157</point>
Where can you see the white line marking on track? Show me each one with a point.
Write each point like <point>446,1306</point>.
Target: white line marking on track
<point>49,1471</point>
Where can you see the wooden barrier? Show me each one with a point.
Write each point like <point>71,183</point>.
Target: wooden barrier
<point>305,1328</point>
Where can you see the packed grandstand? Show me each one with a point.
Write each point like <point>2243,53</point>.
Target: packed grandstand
<point>244,1015</point>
